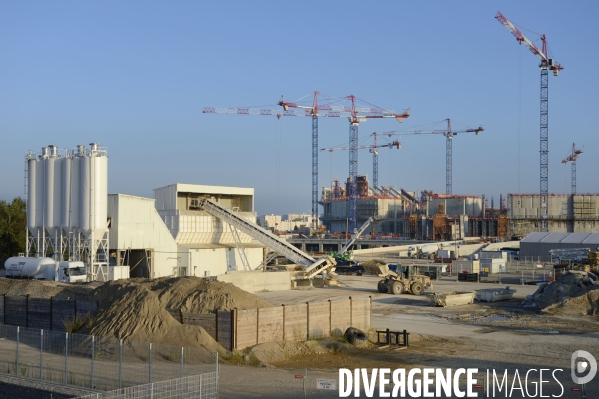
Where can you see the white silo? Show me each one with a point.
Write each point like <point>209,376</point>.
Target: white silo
<point>65,204</point>
<point>84,194</point>
<point>40,187</point>
<point>99,164</point>
<point>49,191</point>
<point>31,192</point>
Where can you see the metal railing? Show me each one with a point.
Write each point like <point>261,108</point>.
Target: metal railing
<point>195,386</point>
<point>96,363</point>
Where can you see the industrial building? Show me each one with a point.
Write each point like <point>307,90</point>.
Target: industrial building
<point>431,216</point>
<point>291,221</point>
<point>207,246</point>
<point>537,245</point>
<point>71,217</point>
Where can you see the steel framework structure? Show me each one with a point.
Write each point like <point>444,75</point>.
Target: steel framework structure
<point>573,157</point>
<point>449,134</point>
<point>545,65</point>
<point>375,155</point>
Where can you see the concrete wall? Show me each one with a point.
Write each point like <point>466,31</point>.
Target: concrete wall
<point>456,206</point>
<point>255,281</point>
<point>207,262</point>
<point>135,224</point>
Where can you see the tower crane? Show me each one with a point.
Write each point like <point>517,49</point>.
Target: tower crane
<point>546,65</point>
<point>353,113</point>
<point>375,155</point>
<point>572,158</point>
<point>448,133</point>
<point>354,120</point>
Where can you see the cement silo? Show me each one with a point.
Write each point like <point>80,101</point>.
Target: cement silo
<point>67,194</point>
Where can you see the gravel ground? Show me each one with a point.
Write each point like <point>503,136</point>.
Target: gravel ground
<point>13,388</point>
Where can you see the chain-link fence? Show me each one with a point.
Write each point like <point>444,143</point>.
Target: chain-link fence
<point>97,363</point>
<point>196,386</point>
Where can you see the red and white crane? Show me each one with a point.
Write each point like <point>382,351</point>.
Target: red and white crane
<point>546,65</point>
<point>331,109</point>
<point>573,157</point>
<point>449,134</point>
<point>373,148</point>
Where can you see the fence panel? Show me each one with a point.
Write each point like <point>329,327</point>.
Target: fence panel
<point>39,313</point>
<point>225,325</point>
<point>296,322</point>
<point>15,308</point>
<point>8,349</point>
<point>340,315</point>
<point>247,321</point>
<point>360,311</point>
<point>319,319</point>
<point>270,327</point>
<point>198,386</point>
<point>63,311</point>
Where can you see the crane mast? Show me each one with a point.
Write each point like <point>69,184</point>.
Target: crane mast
<point>545,65</point>
<point>449,134</point>
<point>572,158</point>
<point>373,149</point>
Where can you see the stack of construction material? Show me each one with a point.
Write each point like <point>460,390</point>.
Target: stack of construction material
<point>574,292</point>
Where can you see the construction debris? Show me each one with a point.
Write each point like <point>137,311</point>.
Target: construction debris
<point>575,292</point>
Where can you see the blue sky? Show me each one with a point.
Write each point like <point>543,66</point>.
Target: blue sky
<point>135,76</point>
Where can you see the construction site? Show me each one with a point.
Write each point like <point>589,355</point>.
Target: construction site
<point>191,293</point>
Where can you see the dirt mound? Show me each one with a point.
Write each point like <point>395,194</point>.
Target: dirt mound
<point>574,292</point>
<point>139,309</point>
<point>46,289</point>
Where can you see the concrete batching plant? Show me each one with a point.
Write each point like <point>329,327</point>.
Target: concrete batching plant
<point>67,193</point>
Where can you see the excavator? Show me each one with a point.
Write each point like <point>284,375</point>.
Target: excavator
<point>345,255</point>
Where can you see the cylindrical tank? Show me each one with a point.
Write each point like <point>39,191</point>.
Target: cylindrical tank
<point>22,267</point>
<point>31,193</point>
<point>84,193</point>
<point>58,198</point>
<point>429,248</point>
<point>100,192</point>
<point>66,192</point>
<point>49,193</point>
<point>75,191</point>
<point>39,197</point>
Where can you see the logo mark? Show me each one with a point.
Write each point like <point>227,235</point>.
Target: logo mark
<point>587,363</point>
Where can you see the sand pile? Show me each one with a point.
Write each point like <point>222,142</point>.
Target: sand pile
<point>574,292</point>
<point>46,289</point>
<point>140,309</point>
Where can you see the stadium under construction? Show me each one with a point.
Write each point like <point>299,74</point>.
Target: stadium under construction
<point>429,216</point>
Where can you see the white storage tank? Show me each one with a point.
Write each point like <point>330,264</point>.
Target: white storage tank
<point>100,188</point>
<point>22,267</point>
<point>65,204</point>
<point>31,194</point>
<point>84,193</point>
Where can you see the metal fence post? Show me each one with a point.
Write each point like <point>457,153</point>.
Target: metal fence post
<point>120,364</point>
<point>150,366</point>
<point>41,354</point>
<point>17,358</point>
<point>93,357</point>
<point>66,358</point>
<point>182,351</point>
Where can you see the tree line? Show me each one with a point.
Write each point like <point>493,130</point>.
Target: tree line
<point>13,221</point>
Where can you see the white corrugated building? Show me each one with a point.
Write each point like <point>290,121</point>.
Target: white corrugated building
<point>207,243</point>
<point>537,245</point>
<point>139,238</point>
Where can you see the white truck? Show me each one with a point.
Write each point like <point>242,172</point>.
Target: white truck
<point>426,251</point>
<point>45,269</point>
